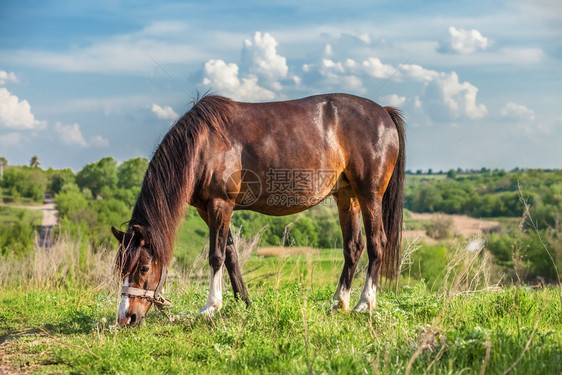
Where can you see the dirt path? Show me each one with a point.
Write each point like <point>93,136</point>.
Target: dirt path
<point>48,222</point>
<point>462,225</point>
<point>49,212</point>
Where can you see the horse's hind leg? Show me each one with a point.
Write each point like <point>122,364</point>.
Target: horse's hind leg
<point>353,244</point>
<point>231,263</point>
<point>371,209</point>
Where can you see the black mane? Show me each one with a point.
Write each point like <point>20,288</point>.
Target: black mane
<point>169,180</point>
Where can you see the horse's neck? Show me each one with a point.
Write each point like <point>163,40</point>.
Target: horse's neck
<point>167,189</point>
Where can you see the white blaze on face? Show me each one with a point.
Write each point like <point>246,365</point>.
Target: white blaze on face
<point>124,306</point>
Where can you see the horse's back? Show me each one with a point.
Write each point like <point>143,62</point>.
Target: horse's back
<point>326,130</point>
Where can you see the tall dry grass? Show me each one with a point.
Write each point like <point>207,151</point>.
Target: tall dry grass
<point>193,275</point>
<point>68,262</point>
<point>74,262</point>
<point>468,267</point>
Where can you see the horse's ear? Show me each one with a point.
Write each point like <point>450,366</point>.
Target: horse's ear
<point>141,232</point>
<point>118,234</point>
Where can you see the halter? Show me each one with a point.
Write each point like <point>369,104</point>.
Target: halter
<point>153,296</point>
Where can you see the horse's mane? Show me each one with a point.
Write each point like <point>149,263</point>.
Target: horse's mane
<point>169,180</point>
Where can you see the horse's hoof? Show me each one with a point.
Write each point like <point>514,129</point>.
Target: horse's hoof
<point>339,306</point>
<point>362,307</point>
<point>209,311</point>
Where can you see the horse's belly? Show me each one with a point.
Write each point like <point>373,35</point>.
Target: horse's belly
<point>286,191</point>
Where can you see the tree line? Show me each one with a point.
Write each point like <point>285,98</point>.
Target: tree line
<point>496,194</point>
<point>103,193</point>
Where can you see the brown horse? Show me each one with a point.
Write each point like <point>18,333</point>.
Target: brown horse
<point>275,158</point>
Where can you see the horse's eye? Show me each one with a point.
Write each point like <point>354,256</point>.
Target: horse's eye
<point>144,270</point>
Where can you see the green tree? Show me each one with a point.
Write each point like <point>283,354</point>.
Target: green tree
<point>428,199</point>
<point>131,173</point>
<point>96,175</point>
<point>70,200</point>
<point>3,164</point>
<point>25,182</point>
<point>34,163</point>
<point>60,178</point>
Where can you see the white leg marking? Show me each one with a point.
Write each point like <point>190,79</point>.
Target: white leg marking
<point>124,307</point>
<point>368,298</point>
<point>341,298</point>
<point>214,300</point>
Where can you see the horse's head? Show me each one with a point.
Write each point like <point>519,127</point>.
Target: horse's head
<point>142,275</point>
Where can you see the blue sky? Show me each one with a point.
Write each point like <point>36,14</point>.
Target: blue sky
<point>480,82</point>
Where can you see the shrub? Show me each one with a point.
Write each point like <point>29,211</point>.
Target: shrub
<point>96,175</point>
<point>69,200</point>
<point>440,227</point>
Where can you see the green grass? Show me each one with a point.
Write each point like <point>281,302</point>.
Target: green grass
<point>288,329</point>
<point>11,215</point>
<point>61,319</point>
<point>319,269</point>
<point>426,177</point>
<point>193,236</point>
<point>18,228</point>
<point>7,199</point>
<point>413,224</point>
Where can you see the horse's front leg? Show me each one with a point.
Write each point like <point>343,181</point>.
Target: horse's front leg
<point>218,214</point>
<point>232,266</point>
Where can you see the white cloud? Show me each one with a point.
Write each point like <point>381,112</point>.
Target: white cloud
<point>16,114</point>
<point>445,98</point>
<point>393,100</point>
<point>448,97</point>
<point>328,51</point>
<point>6,77</point>
<point>375,68</point>
<point>266,71</point>
<point>10,139</point>
<point>329,66</point>
<point>364,37</point>
<point>522,120</point>
<point>418,73</point>
<point>334,75</point>
<point>504,56</point>
<point>124,53</point>
<point>71,134</point>
<point>224,78</point>
<point>463,41</point>
<point>519,55</point>
<point>164,113</point>
<point>459,98</point>
<point>517,112</point>
<point>350,63</point>
<point>261,54</point>
<point>99,141</point>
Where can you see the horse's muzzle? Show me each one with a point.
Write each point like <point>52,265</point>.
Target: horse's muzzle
<point>131,320</point>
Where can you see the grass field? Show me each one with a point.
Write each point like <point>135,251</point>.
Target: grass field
<point>11,215</point>
<point>7,199</point>
<point>289,329</point>
<point>52,326</point>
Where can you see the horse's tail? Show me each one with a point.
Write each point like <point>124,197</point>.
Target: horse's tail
<point>393,202</point>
